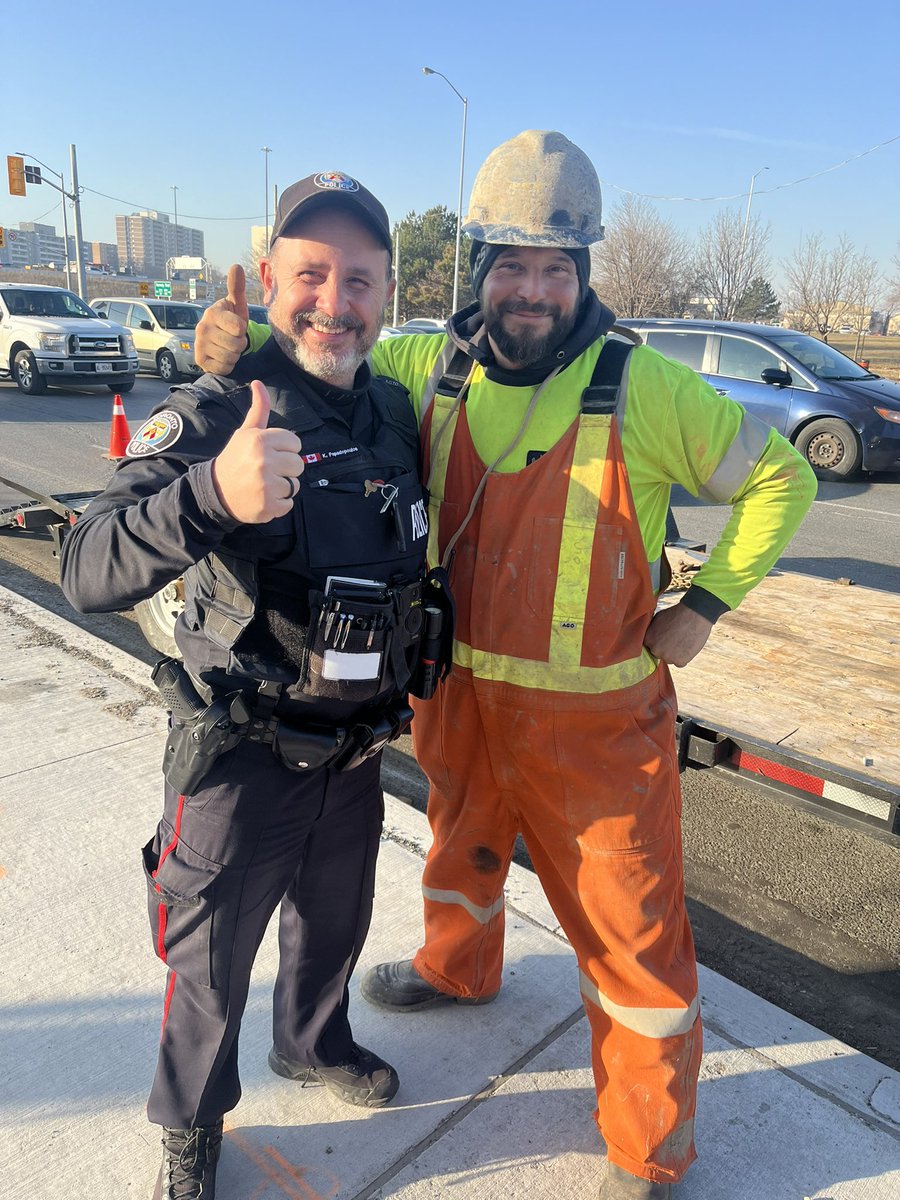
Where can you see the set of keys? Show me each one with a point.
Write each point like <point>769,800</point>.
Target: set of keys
<point>388,493</point>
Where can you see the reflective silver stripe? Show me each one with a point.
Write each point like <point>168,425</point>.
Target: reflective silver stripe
<point>622,398</point>
<point>654,574</point>
<point>651,1022</point>
<point>738,461</point>
<point>481,915</point>
<point>437,374</point>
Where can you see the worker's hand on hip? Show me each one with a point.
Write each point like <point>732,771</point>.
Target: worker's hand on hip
<point>222,330</point>
<point>257,475</point>
<point>677,634</point>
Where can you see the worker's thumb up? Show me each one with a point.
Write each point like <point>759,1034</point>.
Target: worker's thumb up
<point>258,413</point>
<point>256,476</point>
<point>237,291</point>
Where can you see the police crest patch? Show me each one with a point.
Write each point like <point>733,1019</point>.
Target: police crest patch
<point>158,433</point>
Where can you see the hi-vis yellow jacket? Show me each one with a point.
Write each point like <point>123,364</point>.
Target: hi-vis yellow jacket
<point>676,430</point>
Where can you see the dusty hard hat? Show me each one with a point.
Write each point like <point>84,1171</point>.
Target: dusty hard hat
<point>537,189</point>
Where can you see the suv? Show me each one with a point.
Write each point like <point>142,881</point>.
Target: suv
<point>163,332</point>
<point>841,417</point>
<point>50,336</point>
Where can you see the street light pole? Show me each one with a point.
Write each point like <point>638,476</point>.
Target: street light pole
<point>462,168</point>
<point>267,150</point>
<point>747,217</point>
<point>175,202</point>
<point>79,239</point>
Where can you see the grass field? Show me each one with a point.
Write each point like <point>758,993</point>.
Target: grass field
<point>882,353</point>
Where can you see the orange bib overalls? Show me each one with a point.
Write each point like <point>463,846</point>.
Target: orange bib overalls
<point>556,722</point>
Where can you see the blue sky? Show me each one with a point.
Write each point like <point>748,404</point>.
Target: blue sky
<point>682,99</point>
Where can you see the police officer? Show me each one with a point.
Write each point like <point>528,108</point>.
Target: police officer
<point>293,508</point>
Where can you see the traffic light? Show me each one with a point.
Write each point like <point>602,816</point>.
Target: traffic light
<point>32,174</point>
<point>15,167</point>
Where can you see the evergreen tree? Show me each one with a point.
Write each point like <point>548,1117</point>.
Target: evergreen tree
<point>758,303</point>
<point>425,264</point>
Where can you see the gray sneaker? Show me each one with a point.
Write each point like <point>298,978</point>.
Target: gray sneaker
<point>188,1170</point>
<point>622,1185</point>
<point>399,986</point>
<point>362,1078</point>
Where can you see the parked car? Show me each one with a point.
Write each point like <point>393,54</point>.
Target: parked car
<point>423,325</point>
<point>48,335</point>
<point>388,331</point>
<point>163,332</point>
<point>258,313</point>
<point>842,417</point>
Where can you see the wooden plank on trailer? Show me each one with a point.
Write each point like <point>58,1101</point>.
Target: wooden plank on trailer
<point>806,664</point>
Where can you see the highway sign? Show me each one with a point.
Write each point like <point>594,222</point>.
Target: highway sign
<point>162,289</point>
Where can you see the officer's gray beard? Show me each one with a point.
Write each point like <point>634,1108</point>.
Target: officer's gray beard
<point>333,366</point>
<point>528,346</point>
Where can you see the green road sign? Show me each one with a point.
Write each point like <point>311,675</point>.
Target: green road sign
<point>162,289</point>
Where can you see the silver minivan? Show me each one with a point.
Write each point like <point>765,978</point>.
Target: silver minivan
<point>163,332</point>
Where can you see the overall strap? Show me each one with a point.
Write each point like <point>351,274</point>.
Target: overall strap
<point>449,373</point>
<point>601,396</point>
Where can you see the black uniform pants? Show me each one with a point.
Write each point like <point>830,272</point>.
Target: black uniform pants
<point>220,862</point>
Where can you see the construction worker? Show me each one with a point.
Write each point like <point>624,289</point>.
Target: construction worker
<point>549,457</point>
<point>300,636</point>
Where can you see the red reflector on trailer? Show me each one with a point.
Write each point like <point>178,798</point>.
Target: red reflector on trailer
<point>782,774</point>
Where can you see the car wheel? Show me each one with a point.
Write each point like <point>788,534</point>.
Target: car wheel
<point>831,448</point>
<point>123,387</point>
<point>168,368</point>
<point>28,377</point>
<point>157,616</point>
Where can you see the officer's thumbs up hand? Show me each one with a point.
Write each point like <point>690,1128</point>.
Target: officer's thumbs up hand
<point>257,475</point>
<point>222,331</point>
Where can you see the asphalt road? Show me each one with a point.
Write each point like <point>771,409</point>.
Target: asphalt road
<point>795,908</point>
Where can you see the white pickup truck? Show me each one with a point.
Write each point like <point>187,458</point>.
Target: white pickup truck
<point>48,336</point>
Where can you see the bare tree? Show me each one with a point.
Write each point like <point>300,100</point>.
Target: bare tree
<point>866,283</point>
<point>820,283</point>
<point>643,267</point>
<point>732,252</point>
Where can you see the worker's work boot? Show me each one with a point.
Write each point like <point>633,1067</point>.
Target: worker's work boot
<point>399,986</point>
<point>362,1078</point>
<point>622,1185</point>
<point>188,1170</point>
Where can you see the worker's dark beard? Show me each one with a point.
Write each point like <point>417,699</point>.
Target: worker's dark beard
<point>529,346</point>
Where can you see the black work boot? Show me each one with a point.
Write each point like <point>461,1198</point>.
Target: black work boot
<point>362,1078</point>
<point>399,986</point>
<point>188,1170</point>
<point>622,1185</point>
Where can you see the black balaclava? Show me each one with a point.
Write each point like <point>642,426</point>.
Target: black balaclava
<point>483,254</point>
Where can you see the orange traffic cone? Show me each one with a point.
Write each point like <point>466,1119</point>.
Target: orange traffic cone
<point>119,434</point>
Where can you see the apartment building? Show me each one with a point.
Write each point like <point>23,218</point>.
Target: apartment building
<point>147,240</point>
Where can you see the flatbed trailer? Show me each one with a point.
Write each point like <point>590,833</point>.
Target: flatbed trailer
<point>796,692</point>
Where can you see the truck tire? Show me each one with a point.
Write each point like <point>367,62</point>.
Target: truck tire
<point>157,616</point>
<point>28,377</point>
<point>830,447</point>
<point>121,388</point>
<point>168,368</point>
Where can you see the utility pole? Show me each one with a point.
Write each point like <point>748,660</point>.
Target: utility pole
<point>175,200</point>
<point>266,150</point>
<point>79,239</point>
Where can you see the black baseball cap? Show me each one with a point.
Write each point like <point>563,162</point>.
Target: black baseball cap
<point>331,188</point>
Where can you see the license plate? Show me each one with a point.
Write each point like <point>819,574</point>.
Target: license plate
<point>104,367</point>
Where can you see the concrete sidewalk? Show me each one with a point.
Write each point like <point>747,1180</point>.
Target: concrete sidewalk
<point>495,1101</point>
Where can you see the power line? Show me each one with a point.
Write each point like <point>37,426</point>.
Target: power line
<point>165,212</point>
<point>739,195</point>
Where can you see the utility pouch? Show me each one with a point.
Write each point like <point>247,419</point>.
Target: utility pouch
<point>347,655</point>
<point>199,733</point>
<point>436,649</point>
<point>304,749</point>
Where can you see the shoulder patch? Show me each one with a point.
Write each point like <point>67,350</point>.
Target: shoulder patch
<point>158,433</point>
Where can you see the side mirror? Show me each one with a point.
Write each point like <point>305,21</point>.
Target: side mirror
<point>145,325</point>
<point>776,377</point>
